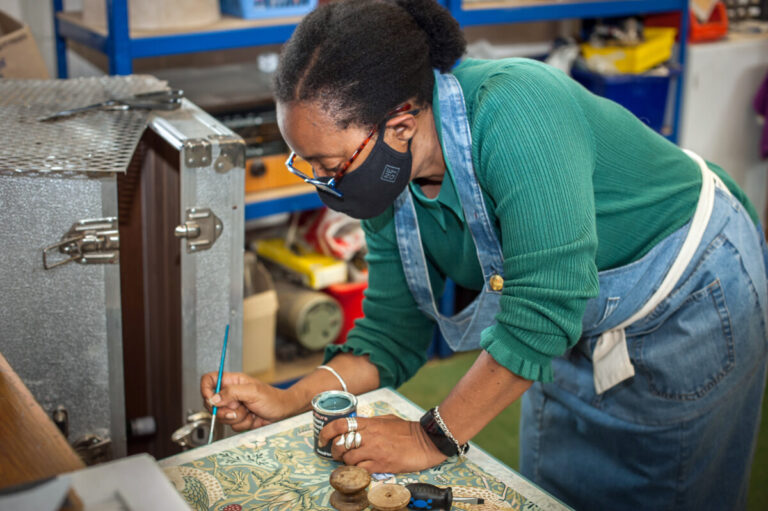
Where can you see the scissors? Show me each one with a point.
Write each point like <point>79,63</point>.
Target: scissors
<point>156,100</point>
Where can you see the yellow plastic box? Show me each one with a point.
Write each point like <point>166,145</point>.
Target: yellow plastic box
<point>656,49</point>
<point>317,271</point>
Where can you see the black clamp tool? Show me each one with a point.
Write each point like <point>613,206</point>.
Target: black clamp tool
<point>428,496</point>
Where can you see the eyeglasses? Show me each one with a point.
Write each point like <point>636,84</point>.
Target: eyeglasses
<point>329,183</point>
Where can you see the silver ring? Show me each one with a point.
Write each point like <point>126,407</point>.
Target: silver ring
<point>349,440</point>
<point>358,439</point>
<point>351,424</point>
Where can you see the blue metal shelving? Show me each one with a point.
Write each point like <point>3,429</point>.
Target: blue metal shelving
<point>289,204</point>
<point>120,48</point>
<point>468,15</point>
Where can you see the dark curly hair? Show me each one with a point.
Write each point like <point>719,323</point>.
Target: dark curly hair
<point>362,58</point>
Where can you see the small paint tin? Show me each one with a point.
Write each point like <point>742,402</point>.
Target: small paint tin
<point>329,406</point>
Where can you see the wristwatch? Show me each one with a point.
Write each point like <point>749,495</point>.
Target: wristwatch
<point>438,436</point>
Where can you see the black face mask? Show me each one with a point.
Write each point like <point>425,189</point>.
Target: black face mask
<point>371,188</point>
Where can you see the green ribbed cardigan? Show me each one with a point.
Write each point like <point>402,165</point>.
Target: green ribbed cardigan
<point>574,183</point>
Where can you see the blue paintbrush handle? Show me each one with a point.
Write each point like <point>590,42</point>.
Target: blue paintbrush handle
<point>218,382</point>
<point>223,357</point>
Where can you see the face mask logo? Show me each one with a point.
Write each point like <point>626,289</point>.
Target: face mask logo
<point>390,174</point>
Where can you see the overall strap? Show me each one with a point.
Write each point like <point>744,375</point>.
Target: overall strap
<point>457,144</point>
<point>412,255</point>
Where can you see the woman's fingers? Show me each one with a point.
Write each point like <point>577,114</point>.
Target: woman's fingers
<point>245,424</point>
<point>236,389</point>
<point>337,446</point>
<point>244,402</point>
<point>386,444</point>
<point>259,422</point>
<point>233,395</point>
<point>370,466</point>
<point>209,381</point>
<point>228,412</point>
<point>227,415</point>
<point>357,456</point>
<point>336,428</point>
<point>208,385</point>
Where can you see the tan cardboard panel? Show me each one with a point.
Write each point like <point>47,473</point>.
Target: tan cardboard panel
<point>19,55</point>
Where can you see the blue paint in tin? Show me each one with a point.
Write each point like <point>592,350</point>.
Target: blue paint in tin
<point>329,406</point>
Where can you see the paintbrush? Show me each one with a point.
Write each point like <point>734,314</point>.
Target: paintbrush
<point>218,382</point>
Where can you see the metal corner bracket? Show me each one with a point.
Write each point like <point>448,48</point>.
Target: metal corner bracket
<point>232,152</point>
<point>197,152</point>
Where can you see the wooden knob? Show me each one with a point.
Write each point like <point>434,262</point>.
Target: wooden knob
<point>389,497</point>
<point>350,484</point>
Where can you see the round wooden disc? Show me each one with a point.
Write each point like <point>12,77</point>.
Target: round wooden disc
<point>389,497</point>
<point>350,479</point>
<point>343,502</point>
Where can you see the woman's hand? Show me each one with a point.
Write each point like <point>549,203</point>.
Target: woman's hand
<point>389,444</point>
<point>244,402</point>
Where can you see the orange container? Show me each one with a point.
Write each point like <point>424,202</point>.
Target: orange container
<point>269,172</point>
<point>715,28</point>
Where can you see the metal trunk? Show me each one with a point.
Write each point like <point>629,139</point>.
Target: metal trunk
<point>122,257</point>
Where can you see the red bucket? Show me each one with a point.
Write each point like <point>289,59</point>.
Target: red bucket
<point>350,297</point>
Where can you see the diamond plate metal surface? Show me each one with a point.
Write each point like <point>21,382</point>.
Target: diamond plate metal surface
<point>93,142</point>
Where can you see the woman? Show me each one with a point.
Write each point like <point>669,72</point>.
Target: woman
<point>621,282</point>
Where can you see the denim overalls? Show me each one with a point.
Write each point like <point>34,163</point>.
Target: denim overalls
<point>676,432</point>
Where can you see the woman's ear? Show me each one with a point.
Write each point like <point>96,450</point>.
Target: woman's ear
<point>400,130</point>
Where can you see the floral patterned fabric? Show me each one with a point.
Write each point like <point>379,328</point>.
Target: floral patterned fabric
<point>281,472</point>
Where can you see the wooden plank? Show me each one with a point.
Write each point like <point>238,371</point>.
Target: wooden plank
<point>31,446</point>
<point>226,23</point>
<point>279,193</point>
<point>157,14</point>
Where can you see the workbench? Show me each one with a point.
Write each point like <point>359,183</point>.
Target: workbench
<point>275,468</point>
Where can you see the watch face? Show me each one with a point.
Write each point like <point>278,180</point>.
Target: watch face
<point>436,434</point>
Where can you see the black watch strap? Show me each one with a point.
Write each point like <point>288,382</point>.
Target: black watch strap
<point>436,434</point>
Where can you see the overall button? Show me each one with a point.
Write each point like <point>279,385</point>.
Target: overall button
<point>496,282</point>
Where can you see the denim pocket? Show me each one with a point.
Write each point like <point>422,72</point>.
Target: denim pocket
<point>611,304</point>
<point>692,350</point>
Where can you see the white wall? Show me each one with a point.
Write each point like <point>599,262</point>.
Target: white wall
<point>718,120</point>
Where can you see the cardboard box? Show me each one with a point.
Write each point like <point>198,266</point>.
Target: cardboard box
<point>157,14</point>
<point>19,55</point>
<point>259,323</point>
